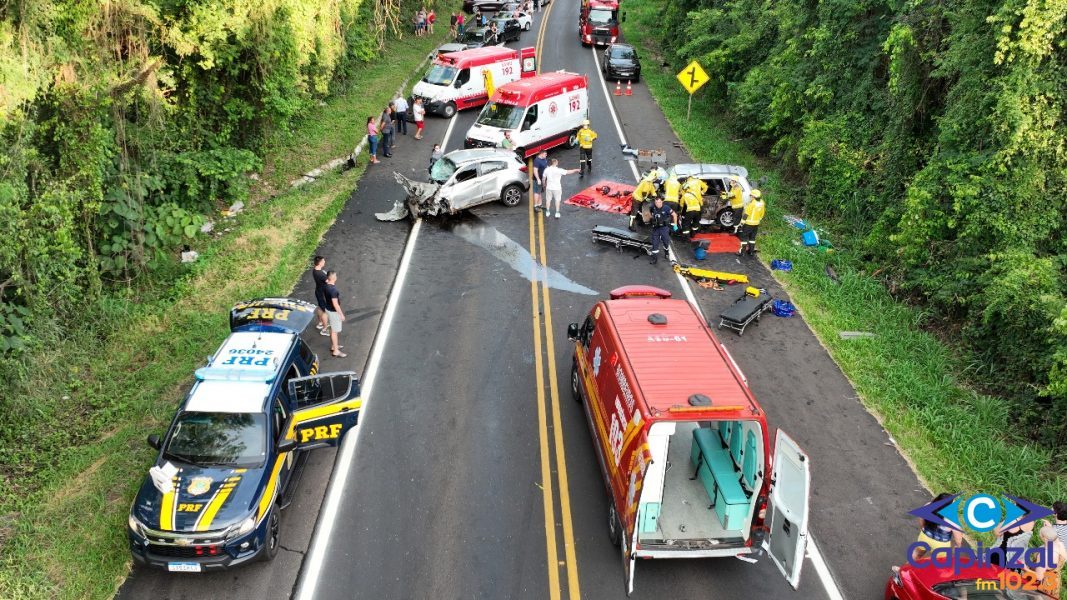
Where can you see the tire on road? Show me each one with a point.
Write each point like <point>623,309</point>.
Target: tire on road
<point>572,141</point>
<point>449,110</point>
<point>575,382</point>
<point>614,525</point>
<point>270,548</point>
<point>511,195</point>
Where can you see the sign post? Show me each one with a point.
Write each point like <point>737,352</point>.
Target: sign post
<point>692,78</point>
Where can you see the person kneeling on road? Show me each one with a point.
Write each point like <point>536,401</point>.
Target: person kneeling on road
<point>750,221</point>
<point>645,190</point>
<point>663,220</point>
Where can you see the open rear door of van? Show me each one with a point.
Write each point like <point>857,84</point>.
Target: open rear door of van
<point>787,517</point>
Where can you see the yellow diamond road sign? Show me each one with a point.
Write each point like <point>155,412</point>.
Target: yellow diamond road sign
<point>693,77</point>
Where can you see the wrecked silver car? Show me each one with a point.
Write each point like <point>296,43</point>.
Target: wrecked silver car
<point>460,180</point>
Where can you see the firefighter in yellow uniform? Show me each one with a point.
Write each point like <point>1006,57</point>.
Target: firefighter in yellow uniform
<point>697,185</point>
<point>735,199</point>
<point>692,205</point>
<point>645,190</point>
<point>585,135</point>
<point>672,193</point>
<point>750,220</point>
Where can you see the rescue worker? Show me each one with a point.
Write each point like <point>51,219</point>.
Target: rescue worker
<point>754,212</point>
<point>663,221</point>
<point>645,190</point>
<point>697,185</point>
<point>692,206</point>
<point>671,193</point>
<point>585,135</point>
<point>734,197</point>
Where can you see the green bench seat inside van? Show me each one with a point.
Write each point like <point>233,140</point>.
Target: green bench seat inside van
<point>716,471</point>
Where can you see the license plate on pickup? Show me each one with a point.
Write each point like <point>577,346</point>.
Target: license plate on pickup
<point>184,567</point>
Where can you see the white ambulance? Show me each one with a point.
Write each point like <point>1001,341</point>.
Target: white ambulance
<point>540,112</point>
<point>460,80</point>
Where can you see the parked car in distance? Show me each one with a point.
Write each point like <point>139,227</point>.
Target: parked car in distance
<point>509,29</point>
<point>463,179</point>
<point>525,19</point>
<point>621,62</point>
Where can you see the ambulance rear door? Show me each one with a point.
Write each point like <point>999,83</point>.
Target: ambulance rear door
<point>787,518</point>
<point>528,60</point>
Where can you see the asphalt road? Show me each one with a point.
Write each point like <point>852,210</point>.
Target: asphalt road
<point>466,444</point>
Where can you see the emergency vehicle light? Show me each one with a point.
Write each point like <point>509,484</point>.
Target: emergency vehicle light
<point>638,291</point>
<point>727,408</point>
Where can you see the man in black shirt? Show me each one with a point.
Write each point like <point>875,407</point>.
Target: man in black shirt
<point>334,312</point>
<point>318,274</point>
<point>663,220</point>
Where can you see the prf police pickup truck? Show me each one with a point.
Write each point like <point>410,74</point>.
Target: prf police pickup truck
<point>226,463</point>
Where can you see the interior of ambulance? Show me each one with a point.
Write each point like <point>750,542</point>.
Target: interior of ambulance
<point>700,491</point>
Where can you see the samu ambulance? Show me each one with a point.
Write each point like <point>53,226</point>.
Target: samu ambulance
<point>225,467</point>
<point>460,80</point>
<point>683,446</point>
<point>540,112</point>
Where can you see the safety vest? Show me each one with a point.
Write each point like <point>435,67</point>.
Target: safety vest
<point>586,137</point>
<point>697,186</point>
<point>644,189</point>
<point>691,201</point>
<point>754,212</point>
<point>735,197</point>
<point>671,189</point>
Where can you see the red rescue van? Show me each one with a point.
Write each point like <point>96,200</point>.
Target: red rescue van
<point>683,445</point>
<point>540,112</point>
<point>460,80</point>
<point>598,22</point>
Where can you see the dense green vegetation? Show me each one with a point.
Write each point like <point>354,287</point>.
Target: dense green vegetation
<point>933,136</point>
<point>100,325</point>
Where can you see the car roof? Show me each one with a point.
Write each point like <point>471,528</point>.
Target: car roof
<point>708,170</point>
<point>223,386</point>
<point>462,157</point>
<point>657,353</point>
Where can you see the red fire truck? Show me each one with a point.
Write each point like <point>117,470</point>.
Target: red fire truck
<point>598,22</point>
<point>683,446</point>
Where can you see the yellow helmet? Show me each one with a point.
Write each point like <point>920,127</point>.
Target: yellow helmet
<point>756,194</point>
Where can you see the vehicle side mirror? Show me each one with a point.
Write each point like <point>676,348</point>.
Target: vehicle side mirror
<point>458,84</point>
<point>153,441</point>
<point>572,332</point>
<point>286,445</point>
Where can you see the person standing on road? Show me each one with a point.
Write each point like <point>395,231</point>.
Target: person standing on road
<point>553,178</point>
<point>750,220</point>
<point>420,117</point>
<point>539,165</point>
<point>372,139</point>
<point>692,205</point>
<point>385,126</point>
<point>318,275</point>
<point>663,220</point>
<point>400,104</point>
<point>333,310</point>
<point>585,135</point>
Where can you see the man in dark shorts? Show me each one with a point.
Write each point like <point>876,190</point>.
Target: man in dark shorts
<point>334,312</point>
<point>539,164</point>
<point>318,274</point>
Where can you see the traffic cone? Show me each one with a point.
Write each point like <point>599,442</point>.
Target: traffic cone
<point>618,88</point>
<point>629,90</point>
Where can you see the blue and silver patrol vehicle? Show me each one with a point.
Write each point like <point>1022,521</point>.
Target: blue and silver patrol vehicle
<point>227,462</point>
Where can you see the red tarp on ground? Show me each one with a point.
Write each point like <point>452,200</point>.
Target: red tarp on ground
<point>616,200</point>
<point>719,242</point>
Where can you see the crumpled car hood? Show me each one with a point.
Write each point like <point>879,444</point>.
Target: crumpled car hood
<point>421,201</point>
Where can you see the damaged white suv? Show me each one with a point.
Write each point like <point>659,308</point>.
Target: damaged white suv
<point>460,180</point>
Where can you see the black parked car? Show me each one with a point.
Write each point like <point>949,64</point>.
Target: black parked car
<point>479,37</point>
<point>508,29</point>
<point>621,62</point>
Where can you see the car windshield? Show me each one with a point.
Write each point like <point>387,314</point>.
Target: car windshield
<point>504,116</point>
<point>441,75</point>
<point>227,439</point>
<point>972,590</point>
<point>600,16</point>
<point>442,170</point>
<point>472,36</point>
<point>622,52</point>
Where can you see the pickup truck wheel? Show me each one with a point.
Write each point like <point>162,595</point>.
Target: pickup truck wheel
<point>449,110</point>
<point>575,382</point>
<point>726,218</point>
<point>270,545</point>
<point>614,527</point>
<point>512,195</point>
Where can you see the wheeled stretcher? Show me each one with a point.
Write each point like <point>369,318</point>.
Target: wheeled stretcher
<point>621,237</point>
<point>743,311</point>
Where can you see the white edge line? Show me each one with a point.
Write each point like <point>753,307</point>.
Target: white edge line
<point>821,568</point>
<point>312,568</point>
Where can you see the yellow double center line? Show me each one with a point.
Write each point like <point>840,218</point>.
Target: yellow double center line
<point>541,344</point>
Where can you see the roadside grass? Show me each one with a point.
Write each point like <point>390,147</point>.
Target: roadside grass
<point>340,121</point>
<point>957,440</point>
<point>93,396</point>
